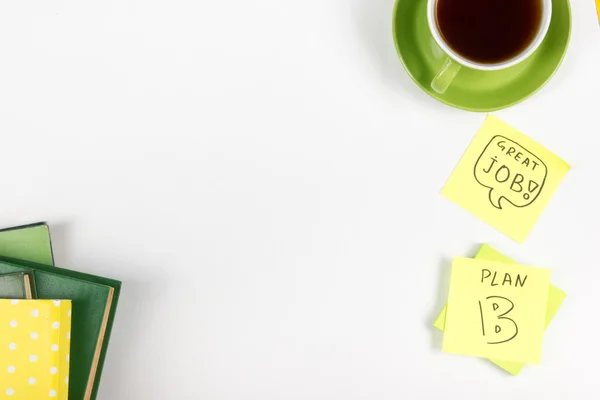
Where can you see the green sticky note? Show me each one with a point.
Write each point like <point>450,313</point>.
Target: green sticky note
<point>555,299</point>
<point>28,242</point>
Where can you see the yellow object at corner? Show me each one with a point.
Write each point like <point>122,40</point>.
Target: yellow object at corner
<point>34,349</point>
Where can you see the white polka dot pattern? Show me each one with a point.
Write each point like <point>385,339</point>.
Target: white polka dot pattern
<point>34,349</point>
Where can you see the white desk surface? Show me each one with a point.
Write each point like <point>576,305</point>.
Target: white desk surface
<point>264,178</point>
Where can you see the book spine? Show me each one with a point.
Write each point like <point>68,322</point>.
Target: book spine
<point>64,343</point>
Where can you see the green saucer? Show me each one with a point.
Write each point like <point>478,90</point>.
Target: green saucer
<point>472,89</point>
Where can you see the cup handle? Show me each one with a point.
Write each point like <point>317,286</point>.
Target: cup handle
<point>444,78</point>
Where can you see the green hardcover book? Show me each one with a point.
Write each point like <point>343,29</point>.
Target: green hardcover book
<point>94,302</point>
<point>27,242</point>
<point>17,285</point>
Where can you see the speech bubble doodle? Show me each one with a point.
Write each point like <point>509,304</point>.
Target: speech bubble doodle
<point>511,172</point>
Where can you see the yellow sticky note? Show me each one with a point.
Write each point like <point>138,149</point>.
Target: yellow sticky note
<point>505,178</point>
<point>496,310</point>
<point>555,300</point>
<point>35,349</point>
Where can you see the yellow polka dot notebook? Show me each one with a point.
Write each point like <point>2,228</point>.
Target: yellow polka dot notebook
<point>35,340</point>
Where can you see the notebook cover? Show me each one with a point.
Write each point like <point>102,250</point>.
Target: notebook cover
<point>89,295</point>
<point>27,242</point>
<point>17,285</point>
<point>34,349</point>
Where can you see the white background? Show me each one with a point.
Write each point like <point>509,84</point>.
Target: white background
<point>264,178</point>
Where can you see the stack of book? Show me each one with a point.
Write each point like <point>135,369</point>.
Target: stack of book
<point>55,323</point>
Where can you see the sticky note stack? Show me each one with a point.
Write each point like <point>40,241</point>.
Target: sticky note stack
<point>55,323</point>
<point>498,310</point>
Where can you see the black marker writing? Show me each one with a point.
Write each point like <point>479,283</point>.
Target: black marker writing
<point>494,160</point>
<point>486,274</point>
<point>510,172</point>
<point>493,311</point>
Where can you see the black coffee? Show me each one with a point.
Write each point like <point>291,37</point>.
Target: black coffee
<point>489,31</point>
